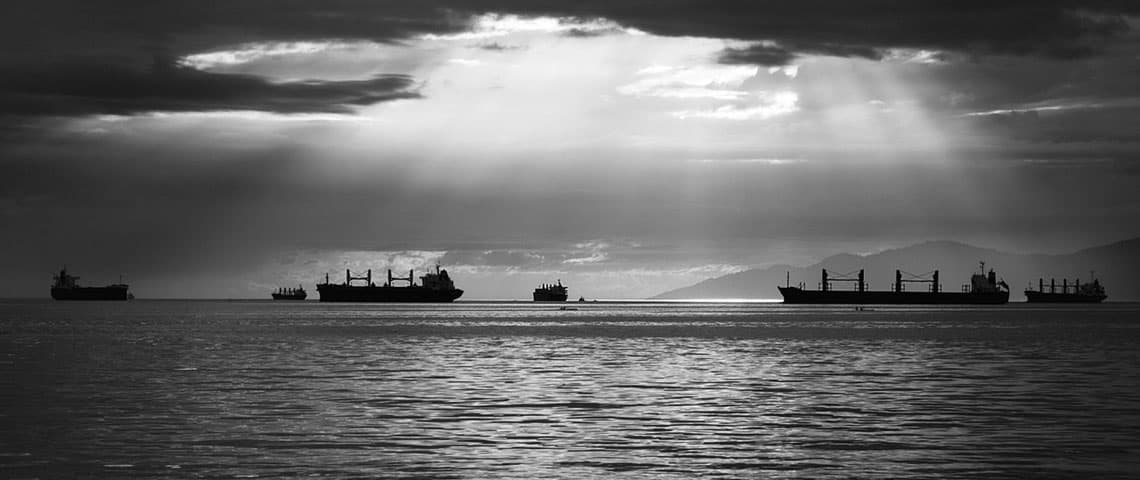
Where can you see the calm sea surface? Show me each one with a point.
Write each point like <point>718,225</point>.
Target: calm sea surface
<point>203,389</point>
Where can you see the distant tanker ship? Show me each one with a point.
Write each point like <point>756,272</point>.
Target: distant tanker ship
<point>984,288</point>
<point>433,287</point>
<point>66,288</point>
<point>298,293</point>
<point>551,293</point>
<point>1092,292</point>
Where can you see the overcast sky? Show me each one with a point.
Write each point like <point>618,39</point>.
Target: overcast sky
<point>221,149</point>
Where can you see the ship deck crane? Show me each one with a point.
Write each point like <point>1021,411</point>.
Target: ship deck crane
<point>827,280</point>
<point>900,282</point>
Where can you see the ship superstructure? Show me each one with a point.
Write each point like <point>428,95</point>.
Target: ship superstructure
<point>433,287</point>
<point>984,288</point>
<point>1077,292</point>
<point>551,293</point>
<point>66,287</point>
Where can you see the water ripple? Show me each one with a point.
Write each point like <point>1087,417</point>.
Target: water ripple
<point>257,389</point>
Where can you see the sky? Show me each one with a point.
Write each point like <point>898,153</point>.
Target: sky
<point>223,149</point>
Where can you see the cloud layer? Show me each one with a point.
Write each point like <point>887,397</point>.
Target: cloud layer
<point>78,89</point>
<point>99,53</point>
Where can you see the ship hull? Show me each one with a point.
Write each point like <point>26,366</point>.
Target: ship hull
<point>1046,297</point>
<point>416,294</point>
<point>112,293</point>
<point>279,296</point>
<point>549,297</point>
<point>850,297</point>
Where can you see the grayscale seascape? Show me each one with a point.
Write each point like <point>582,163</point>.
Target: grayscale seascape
<point>460,239</point>
<point>214,389</point>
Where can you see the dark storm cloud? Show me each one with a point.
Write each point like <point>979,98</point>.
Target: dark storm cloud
<point>1057,29</point>
<point>77,27</point>
<point>1063,29</point>
<point>771,55</point>
<point>67,57</point>
<point>589,33</point>
<point>85,52</point>
<point>1051,29</point>
<point>76,89</point>
<point>766,55</point>
<point>497,47</point>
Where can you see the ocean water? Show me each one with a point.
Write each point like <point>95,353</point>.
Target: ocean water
<point>205,389</point>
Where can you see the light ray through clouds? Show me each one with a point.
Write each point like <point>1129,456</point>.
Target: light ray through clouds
<point>681,88</point>
<point>523,105</point>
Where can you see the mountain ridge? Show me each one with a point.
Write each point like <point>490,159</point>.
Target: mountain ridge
<point>1115,265</point>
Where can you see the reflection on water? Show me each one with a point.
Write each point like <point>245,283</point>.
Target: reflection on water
<point>241,389</point>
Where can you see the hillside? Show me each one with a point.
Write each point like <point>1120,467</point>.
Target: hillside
<point>1116,265</point>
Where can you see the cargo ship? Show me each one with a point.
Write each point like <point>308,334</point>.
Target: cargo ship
<point>66,288</point>
<point>1091,292</point>
<point>550,293</point>
<point>433,287</point>
<point>984,289</point>
<point>298,293</point>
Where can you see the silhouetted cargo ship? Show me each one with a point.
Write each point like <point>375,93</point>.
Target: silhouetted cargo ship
<point>1092,292</point>
<point>298,293</point>
<point>433,287</point>
<point>550,293</point>
<point>983,289</point>
<point>66,288</point>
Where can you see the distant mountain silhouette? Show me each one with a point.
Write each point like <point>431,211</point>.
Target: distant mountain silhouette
<point>1117,265</point>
